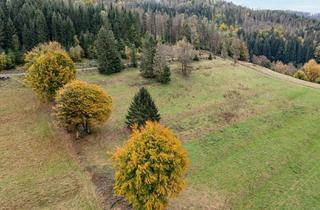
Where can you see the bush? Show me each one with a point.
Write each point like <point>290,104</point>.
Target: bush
<point>244,52</point>
<point>142,109</point>
<point>150,167</point>
<point>210,56</point>
<point>196,58</point>
<point>300,75</point>
<point>282,68</point>
<point>50,72</point>
<point>262,61</point>
<point>80,105</point>
<point>311,70</point>
<point>76,53</point>
<point>7,61</point>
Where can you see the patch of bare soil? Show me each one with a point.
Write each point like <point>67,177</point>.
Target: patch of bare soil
<point>101,178</point>
<point>104,182</point>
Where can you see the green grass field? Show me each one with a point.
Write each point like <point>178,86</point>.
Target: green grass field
<point>252,140</point>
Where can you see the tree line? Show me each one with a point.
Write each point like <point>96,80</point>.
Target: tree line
<point>207,25</point>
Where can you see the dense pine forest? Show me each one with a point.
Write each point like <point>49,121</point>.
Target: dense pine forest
<point>208,25</point>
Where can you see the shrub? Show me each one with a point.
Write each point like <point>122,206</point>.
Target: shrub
<point>80,105</point>
<point>244,52</point>
<point>7,61</point>
<point>142,109</point>
<point>282,68</point>
<point>49,72</point>
<point>300,75</point>
<point>76,53</point>
<point>311,70</point>
<point>262,61</point>
<point>210,56</point>
<point>150,167</point>
<point>196,58</point>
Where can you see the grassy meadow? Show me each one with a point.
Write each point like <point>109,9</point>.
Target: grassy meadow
<point>38,170</point>
<point>253,141</point>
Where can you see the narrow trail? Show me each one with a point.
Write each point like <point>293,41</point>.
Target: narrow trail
<point>23,74</point>
<point>277,75</point>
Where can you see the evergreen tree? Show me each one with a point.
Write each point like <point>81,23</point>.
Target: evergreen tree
<point>147,57</point>
<point>41,28</point>
<point>133,56</point>
<point>142,109</point>
<point>2,30</point>
<point>27,38</point>
<point>164,77</point>
<point>108,56</point>
<point>10,35</point>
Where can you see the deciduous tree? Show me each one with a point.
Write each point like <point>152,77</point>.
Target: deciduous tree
<point>80,105</point>
<point>150,167</point>
<point>49,72</point>
<point>184,53</point>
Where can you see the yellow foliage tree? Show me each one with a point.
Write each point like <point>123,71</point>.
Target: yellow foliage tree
<point>150,167</point>
<point>49,72</point>
<point>80,105</point>
<point>40,49</point>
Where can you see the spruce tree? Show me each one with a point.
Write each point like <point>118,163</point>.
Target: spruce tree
<point>2,30</point>
<point>108,56</point>
<point>10,35</point>
<point>147,58</point>
<point>41,27</point>
<point>164,77</point>
<point>142,109</point>
<point>133,56</point>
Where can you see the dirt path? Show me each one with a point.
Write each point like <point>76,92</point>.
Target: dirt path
<point>277,75</point>
<point>23,74</point>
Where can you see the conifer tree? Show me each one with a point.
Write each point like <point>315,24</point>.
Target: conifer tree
<point>133,56</point>
<point>2,30</point>
<point>164,77</point>
<point>41,27</point>
<point>108,56</point>
<point>147,57</point>
<point>10,35</point>
<point>142,109</point>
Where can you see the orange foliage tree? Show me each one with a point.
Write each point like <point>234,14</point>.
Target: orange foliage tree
<point>150,167</point>
<point>312,70</point>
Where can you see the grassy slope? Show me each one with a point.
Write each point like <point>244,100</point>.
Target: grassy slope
<point>36,169</point>
<point>252,140</point>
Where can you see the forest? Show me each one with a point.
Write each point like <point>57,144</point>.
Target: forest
<point>278,35</point>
